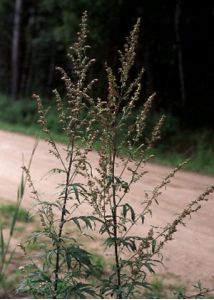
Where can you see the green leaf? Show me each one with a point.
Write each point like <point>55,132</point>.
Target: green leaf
<point>79,254</point>
<point>132,214</point>
<point>128,242</point>
<point>21,188</point>
<point>58,205</point>
<point>80,291</point>
<point>105,227</point>
<point>125,186</point>
<point>131,245</point>
<point>142,219</point>
<point>109,181</point>
<point>128,207</point>
<point>15,216</point>
<point>87,220</point>
<point>75,220</point>
<point>74,186</point>
<point>68,260</point>
<point>9,258</point>
<point>110,241</point>
<point>153,246</point>
<point>2,244</point>
<point>56,170</point>
<point>50,256</point>
<point>149,267</point>
<point>124,211</point>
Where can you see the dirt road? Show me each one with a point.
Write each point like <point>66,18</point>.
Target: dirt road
<point>190,256</point>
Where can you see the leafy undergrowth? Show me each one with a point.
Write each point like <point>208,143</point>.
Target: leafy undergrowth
<point>161,285</point>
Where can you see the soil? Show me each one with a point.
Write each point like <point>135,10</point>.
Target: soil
<point>188,257</point>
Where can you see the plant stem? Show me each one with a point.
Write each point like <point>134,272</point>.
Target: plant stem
<point>61,224</point>
<point>114,214</point>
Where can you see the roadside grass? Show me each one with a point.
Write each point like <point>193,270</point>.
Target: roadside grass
<point>201,161</point>
<point>7,211</point>
<point>176,144</point>
<point>161,289</point>
<point>33,130</point>
<point>11,276</point>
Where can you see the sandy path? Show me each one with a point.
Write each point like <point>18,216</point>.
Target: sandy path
<point>190,255</point>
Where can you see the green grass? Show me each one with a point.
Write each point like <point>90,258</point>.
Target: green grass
<point>7,212</point>
<point>201,161</point>
<point>99,263</point>
<point>156,290</point>
<point>161,288</point>
<point>32,130</point>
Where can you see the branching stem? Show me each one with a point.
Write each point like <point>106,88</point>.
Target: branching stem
<point>62,222</point>
<point>114,215</point>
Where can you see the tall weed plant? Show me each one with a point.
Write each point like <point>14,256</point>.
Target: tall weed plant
<point>63,266</point>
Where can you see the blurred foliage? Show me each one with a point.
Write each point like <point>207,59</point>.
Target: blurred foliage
<point>8,210</point>
<point>47,30</point>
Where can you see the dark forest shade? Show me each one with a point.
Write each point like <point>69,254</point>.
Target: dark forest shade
<point>47,28</point>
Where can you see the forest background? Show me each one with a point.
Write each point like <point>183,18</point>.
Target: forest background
<point>176,48</point>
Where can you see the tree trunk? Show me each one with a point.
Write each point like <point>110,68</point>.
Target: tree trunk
<point>15,49</point>
<point>51,69</point>
<point>179,51</point>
